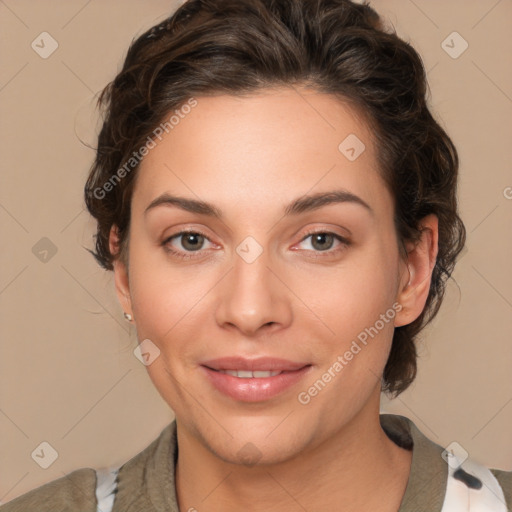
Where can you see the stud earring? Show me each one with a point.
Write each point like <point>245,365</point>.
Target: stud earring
<point>128,317</point>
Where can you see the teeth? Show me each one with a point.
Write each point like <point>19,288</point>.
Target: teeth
<point>244,374</point>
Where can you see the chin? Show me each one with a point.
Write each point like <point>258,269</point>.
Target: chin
<point>255,453</point>
<point>256,441</point>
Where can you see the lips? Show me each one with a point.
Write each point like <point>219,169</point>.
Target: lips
<point>253,380</point>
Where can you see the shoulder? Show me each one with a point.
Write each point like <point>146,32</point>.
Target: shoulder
<point>147,478</point>
<point>447,479</point>
<point>74,492</point>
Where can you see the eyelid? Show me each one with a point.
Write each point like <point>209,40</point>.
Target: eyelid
<point>324,231</point>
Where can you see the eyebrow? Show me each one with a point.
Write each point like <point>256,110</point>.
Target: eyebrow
<point>300,205</point>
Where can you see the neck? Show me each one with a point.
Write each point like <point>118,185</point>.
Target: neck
<point>334,474</point>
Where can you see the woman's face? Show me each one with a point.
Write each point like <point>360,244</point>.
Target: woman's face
<point>253,282</point>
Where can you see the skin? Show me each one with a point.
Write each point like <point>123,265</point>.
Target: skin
<point>299,300</point>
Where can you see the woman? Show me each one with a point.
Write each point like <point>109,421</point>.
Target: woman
<point>278,206</point>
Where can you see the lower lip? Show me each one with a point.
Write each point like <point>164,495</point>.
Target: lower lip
<point>252,389</point>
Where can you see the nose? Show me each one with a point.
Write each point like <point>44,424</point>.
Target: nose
<point>253,298</point>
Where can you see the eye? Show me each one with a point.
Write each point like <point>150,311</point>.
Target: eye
<point>323,241</point>
<point>190,242</point>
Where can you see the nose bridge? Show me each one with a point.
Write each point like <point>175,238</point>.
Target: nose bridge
<point>251,296</point>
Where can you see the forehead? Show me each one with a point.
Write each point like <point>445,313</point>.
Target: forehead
<point>261,149</point>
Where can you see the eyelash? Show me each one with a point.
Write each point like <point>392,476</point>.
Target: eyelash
<point>195,254</point>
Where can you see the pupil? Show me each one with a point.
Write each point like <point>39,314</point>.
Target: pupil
<point>321,238</point>
<point>189,239</point>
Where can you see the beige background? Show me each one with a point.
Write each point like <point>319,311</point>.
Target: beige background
<point>68,374</point>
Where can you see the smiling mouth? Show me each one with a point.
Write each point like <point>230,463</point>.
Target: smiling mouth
<point>246,385</point>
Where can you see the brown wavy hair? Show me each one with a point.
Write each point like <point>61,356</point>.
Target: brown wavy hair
<point>337,47</point>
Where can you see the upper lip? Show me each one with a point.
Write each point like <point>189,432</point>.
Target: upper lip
<point>256,364</point>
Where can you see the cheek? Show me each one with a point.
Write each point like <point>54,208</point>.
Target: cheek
<point>357,309</point>
<point>355,305</point>
<point>164,293</point>
<point>351,296</point>
<point>165,306</point>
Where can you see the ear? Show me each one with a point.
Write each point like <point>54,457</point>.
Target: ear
<point>120,274</point>
<point>416,272</point>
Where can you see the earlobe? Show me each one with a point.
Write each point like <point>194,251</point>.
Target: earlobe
<point>421,260</point>
<point>120,275</point>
